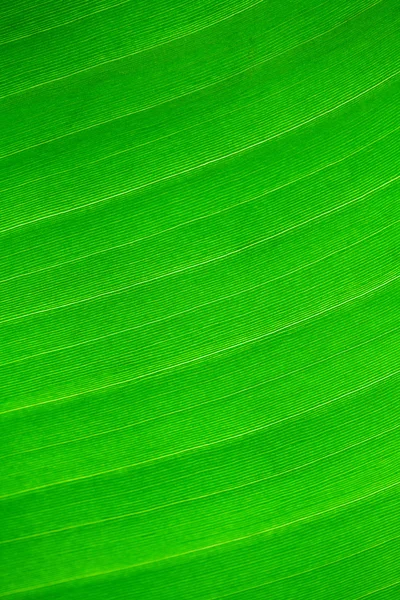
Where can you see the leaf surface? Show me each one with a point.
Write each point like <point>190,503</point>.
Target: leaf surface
<point>199,307</point>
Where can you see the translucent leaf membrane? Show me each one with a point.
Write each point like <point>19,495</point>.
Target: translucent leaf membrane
<point>199,300</point>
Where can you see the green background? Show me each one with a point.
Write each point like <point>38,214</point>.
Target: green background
<point>199,300</point>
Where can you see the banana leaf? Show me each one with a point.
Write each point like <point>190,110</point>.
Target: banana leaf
<point>200,300</point>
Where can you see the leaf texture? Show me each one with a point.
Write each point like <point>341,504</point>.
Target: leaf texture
<point>199,309</point>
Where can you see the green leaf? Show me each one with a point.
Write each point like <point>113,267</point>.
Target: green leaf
<point>199,314</point>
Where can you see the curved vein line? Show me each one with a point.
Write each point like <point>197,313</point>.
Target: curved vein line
<point>210,354</point>
<point>203,496</point>
<point>211,546</point>
<point>205,216</point>
<point>379,590</point>
<point>208,444</point>
<point>194,91</point>
<point>206,402</point>
<point>199,264</point>
<point>164,43</point>
<point>32,34</point>
<point>205,164</point>
<point>323,566</point>
<point>194,308</point>
<point>113,60</point>
<point>177,132</point>
<point>37,5</point>
<point>218,117</point>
